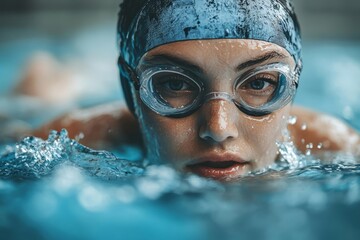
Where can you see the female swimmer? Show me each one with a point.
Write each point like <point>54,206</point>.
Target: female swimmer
<point>210,86</point>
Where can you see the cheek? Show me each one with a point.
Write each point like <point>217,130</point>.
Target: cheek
<point>263,133</point>
<point>165,138</point>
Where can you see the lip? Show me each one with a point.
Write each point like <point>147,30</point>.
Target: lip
<point>219,166</point>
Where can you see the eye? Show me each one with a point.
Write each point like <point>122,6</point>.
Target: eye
<point>259,89</point>
<point>264,83</point>
<point>173,82</point>
<point>174,89</point>
<point>176,85</point>
<point>259,84</point>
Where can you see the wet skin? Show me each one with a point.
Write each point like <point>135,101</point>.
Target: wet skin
<point>218,140</point>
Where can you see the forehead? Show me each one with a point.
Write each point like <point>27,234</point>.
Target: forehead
<point>226,51</point>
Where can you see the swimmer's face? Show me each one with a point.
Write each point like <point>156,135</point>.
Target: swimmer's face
<point>218,140</point>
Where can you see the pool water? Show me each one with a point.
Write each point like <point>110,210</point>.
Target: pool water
<point>58,189</point>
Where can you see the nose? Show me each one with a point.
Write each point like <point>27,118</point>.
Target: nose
<point>218,121</point>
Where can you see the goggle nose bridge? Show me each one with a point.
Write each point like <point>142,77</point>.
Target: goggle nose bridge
<point>218,96</point>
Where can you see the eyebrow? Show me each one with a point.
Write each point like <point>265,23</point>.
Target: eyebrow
<point>260,59</point>
<point>176,61</point>
<point>171,60</point>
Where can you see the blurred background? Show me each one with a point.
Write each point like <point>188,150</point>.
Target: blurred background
<point>72,43</point>
<point>319,19</point>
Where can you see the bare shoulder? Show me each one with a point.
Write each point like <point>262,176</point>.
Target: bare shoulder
<point>104,126</point>
<point>322,132</point>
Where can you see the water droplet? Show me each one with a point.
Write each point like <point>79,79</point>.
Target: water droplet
<point>80,136</point>
<point>286,134</point>
<point>310,146</point>
<point>292,120</point>
<point>304,127</point>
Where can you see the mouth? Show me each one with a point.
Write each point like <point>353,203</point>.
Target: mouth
<point>219,168</point>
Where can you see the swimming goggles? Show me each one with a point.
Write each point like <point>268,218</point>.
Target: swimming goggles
<point>174,92</point>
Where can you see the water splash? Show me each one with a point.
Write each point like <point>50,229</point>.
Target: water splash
<point>290,157</point>
<point>35,158</point>
<point>72,187</point>
<point>289,154</point>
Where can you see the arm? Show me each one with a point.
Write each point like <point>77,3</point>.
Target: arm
<point>324,132</point>
<point>102,127</point>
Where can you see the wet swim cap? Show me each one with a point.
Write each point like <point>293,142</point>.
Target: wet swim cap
<point>146,24</point>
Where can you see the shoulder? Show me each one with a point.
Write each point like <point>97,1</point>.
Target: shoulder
<point>104,126</point>
<point>318,131</point>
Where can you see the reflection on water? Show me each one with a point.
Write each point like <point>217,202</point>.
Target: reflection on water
<point>50,189</point>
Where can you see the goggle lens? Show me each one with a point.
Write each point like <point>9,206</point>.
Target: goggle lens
<point>261,89</point>
<point>173,89</point>
<point>170,92</point>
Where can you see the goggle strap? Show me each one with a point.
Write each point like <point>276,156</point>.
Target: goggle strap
<point>134,77</point>
<point>297,73</point>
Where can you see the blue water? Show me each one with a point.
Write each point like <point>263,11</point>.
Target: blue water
<point>58,189</point>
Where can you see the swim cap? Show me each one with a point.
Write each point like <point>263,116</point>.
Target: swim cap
<point>146,24</point>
